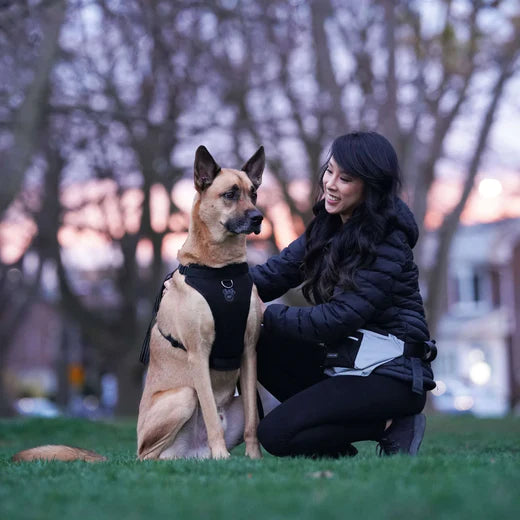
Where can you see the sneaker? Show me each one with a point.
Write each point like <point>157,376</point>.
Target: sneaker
<point>404,435</point>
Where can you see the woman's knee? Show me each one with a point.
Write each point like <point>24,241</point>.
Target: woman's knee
<point>270,438</point>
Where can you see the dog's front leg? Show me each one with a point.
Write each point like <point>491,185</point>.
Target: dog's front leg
<point>199,366</point>
<point>248,387</point>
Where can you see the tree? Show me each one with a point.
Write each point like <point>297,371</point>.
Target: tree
<point>128,90</point>
<point>23,135</point>
<point>332,68</point>
<point>29,118</point>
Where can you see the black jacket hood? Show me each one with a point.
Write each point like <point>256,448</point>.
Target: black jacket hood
<point>405,222</point>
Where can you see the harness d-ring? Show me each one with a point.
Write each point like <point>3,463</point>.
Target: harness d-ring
<point>229,282</point>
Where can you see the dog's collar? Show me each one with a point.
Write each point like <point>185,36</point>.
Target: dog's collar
<point>204,271</point>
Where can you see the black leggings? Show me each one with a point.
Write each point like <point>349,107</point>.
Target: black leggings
<point>320,416</point>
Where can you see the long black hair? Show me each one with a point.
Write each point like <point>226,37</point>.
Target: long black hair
<point>336,250</point>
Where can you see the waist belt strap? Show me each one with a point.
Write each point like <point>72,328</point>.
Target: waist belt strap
<point>415,350</point>
<point>425,350</point>
<point>417,375</point>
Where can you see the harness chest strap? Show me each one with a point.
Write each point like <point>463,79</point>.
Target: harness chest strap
<point>227,290</point>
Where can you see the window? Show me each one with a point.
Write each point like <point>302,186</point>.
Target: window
<point>471,289</point>
<point>494,276</point>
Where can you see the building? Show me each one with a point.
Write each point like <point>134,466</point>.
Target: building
<point>478,367</point>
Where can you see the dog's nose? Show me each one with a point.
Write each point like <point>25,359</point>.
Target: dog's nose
<point>256,217</point>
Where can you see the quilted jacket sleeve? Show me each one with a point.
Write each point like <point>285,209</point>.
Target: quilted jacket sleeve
<point>346,312</point>
<point>281,272</point>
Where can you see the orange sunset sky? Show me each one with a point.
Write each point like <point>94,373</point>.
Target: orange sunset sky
<point>87,231</point>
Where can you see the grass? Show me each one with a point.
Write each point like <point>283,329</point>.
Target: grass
<point>467,468</point>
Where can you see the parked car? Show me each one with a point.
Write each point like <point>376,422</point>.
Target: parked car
<point>36,407</point>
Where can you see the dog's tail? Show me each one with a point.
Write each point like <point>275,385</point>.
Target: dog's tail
<point>57,452</point>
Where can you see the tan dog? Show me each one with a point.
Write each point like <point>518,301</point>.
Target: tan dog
<point>188,409</point>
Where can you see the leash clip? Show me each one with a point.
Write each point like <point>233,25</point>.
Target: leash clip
<point>228,291</point>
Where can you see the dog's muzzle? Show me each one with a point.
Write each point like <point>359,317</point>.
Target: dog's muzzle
<point>250,222</point>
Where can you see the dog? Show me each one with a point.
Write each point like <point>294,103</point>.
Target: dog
<point>188,408</point>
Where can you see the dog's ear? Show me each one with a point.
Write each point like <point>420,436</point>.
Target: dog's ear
<point>255,167</point>
<point>205,168</point>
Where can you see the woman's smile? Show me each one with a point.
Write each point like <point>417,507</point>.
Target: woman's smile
<point>343,192</point>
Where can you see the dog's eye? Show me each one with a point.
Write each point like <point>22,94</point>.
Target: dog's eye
<point>230,195</point>
<point>253,197</point>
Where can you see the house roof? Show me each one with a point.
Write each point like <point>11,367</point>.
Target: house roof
<point>489,243</point>
<point>483,326</point>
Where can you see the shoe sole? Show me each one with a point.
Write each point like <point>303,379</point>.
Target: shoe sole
<point>419,426</point>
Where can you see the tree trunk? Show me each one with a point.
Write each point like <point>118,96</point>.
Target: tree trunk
<point>129,374</point>
<point>30,118</point>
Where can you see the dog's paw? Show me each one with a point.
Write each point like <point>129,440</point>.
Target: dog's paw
<point>253,451</point>
<point>220,454</point>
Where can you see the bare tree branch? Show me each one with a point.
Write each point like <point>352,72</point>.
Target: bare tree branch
<point>29,119</point>
<point>449,226</point>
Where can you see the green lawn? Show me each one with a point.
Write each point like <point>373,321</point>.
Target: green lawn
<point>467,468</point>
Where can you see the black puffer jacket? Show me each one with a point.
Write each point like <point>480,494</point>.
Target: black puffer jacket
<point>387,297</point>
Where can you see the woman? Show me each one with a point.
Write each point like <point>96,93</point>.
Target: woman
<point>355,365</point>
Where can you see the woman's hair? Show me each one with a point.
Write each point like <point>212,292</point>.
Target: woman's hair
<point>336,250</point>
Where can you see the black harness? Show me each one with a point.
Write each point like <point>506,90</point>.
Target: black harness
<point>227,290</point>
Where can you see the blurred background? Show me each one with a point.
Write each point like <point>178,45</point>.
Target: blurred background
<point>103,103</point>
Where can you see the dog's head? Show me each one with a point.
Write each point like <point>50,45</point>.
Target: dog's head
<point>228,197</point>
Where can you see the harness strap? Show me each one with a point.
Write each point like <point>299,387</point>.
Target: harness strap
<point>204,271</point>
<point>173,341</point>
<point>144,356</point>
<point>215,362</point>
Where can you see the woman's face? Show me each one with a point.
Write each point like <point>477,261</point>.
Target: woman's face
<point>343,192</point>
